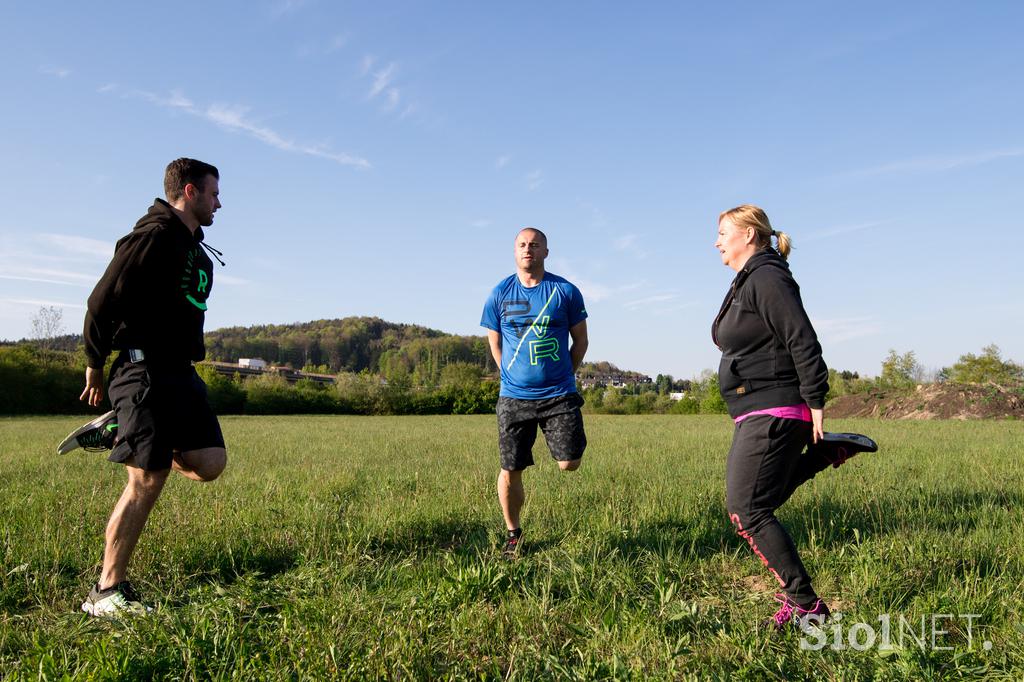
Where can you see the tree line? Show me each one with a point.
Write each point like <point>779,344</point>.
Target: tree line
<point>386,368</point>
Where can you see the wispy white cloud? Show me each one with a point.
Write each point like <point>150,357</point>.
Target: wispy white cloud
<point>502,161</point>
<point>176,100</point>
<point>51,275</point>
<point>366,63</point>
<point>339,41</point>
<point>56,71</point>
<point>677,307</point>
<point>234,118</point>
<point>629,243</point>
<point>633,296</point>
<point>626,241</point>
<point>231,281</point>
<point>270,264</point>
<point>534,179</point>
<point>936,164</point>
<point>649,300</point>
<point>382,78</point>
<point>40,280</point>
<point>662,303</point>
<point>39,303</point>
<point>316,48</point>
<point>283,7</point>
<point>593,290</point>
<point>383,87</point>
<point>108,87</point>
<point>839,230</point>
<point>840,329</point>
<point>598,219</point>
<point>95,248</point>
<point>481,223</point>
<point>64,260</point>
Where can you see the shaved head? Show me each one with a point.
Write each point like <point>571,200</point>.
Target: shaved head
<point>531,248</point>
<point>538,233</point>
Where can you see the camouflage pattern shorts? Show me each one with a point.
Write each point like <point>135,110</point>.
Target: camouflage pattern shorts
<point>559,418</point>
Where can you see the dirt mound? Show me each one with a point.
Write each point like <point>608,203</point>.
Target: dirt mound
<point>933,401</point>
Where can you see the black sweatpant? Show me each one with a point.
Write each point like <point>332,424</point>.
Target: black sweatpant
<point>767,462</point>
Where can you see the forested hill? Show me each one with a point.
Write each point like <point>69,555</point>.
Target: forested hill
<point>352,344</point>
<point>403,354</point>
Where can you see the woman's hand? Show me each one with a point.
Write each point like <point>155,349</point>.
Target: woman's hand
<point>817,424</point>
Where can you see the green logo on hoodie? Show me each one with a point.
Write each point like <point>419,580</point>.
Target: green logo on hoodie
<point>201,282</point>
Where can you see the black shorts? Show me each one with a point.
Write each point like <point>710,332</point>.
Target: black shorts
<point>160,410</point>
<point>559,418</point>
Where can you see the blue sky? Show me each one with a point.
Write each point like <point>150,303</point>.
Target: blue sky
<point>378,159</point>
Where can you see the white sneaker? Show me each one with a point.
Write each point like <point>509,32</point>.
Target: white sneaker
<point>119,600</point>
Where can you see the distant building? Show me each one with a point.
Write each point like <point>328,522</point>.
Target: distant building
<point>252,363</point>
<point>615,380</point>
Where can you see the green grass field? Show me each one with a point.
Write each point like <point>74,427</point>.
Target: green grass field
<point>361,547</point>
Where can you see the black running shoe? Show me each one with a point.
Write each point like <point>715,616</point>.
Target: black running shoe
<point>96,436</point>
<point>512,543</point>
<point>839,447</point>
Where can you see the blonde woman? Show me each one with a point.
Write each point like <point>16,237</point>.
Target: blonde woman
<point>774,381</point>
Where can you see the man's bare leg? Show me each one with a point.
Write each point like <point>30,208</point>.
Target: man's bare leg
<point>571,465</point>
<point>140,495</point>
<point>511,496</point>
<point>202,465</point>
<point>127,521</point>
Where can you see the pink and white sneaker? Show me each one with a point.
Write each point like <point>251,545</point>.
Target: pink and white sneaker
<point>791,615</point>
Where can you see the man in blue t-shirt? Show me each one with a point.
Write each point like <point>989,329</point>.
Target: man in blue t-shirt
<point>530,317</point>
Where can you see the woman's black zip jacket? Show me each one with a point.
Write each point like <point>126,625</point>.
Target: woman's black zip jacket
<point>770,354</point>
<point>153,294</point>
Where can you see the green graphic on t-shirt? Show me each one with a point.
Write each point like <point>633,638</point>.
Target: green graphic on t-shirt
<point>204,279</point>
<point>537,329</point>
<point>543,348</point>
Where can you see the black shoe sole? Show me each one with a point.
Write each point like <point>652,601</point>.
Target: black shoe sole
<point>853,441</point>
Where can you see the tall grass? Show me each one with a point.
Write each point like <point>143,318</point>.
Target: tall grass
<point>363,547</point>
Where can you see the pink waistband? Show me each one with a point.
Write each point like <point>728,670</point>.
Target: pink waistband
<point>801,412</point>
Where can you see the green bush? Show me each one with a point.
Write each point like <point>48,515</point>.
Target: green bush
<point>989,367</point>
<point>33,381</point>
<point>226,395</point>
<point>687,405</point>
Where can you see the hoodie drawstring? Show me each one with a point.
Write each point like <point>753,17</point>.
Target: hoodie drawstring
<point>213,252</point>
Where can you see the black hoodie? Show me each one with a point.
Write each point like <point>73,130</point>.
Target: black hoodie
<point>153,294</point>
<point>770,354</point>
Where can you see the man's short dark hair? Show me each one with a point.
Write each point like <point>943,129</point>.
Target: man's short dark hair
<point>181,172</point>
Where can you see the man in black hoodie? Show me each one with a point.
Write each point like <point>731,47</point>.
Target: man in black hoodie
<point>150,306</point>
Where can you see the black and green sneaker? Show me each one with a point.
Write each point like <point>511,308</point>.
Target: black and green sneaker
<point>96,436</point>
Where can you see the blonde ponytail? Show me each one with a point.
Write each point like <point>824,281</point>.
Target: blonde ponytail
<point>783,244</point>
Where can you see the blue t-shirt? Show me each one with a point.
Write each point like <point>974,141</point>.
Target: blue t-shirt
<point>534,324</point>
